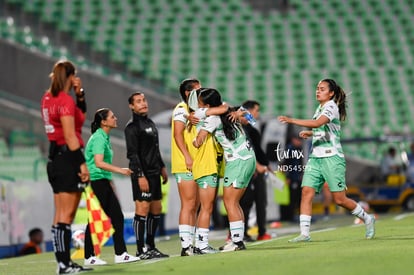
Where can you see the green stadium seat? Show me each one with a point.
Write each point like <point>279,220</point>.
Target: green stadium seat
<point>364,45</point>
<point>35,6</point>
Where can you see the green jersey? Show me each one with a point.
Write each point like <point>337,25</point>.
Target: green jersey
<point>326,139</point>
<point>239,148</point>
<point>98,144</point>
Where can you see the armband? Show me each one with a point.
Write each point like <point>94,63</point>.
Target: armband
<point>76,157</point>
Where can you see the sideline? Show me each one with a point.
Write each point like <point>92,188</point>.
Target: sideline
<point>403,216</point>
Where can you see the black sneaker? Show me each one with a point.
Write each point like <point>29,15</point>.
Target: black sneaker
<point>73,268</point>
<point>206,250</point>
<point>188,251</point>
<point>147,255</point>
<point>157,254</point>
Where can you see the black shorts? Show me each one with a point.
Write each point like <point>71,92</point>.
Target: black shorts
<point>63,175</point>
<point>154,186</point>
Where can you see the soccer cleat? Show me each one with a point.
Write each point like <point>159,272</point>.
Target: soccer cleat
<point>188,251</point>
<point>205,250</point>
<point>370,228</point>
<point>232,246</point>
<point>125,258</point>
<point>72,268</point>
<point>300,239</point>
<point>264,237</point>
<point>157,254</point>
<point>93,260</point>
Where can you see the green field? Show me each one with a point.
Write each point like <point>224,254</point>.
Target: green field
<point>337,247</point>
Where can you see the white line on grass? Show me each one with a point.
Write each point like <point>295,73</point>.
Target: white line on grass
<point>289,236</point>
<point>403,216</point>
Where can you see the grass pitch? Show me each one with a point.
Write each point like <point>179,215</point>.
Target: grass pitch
<point>337,247</point>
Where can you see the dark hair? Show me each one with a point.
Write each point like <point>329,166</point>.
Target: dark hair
<point>212,97</point>
<point>34,231</point>
<point>339,97</point>
<point>101,114</point>
<point>249,104</point>
<point>187,85</point>
<point>392,150</point>
<point>131,97</point>
<point>61,71</point>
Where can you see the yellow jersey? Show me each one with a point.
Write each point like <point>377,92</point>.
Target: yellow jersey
<point>205,161</point>
<point>181,113</point>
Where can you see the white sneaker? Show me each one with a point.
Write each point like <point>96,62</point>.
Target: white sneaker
<point>125,258</point>
<point>93,260</point>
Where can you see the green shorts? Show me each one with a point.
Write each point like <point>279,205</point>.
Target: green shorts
<point>183,177</point>
<point>328,169</point>
<point>210,180</point>
<point>239,172</point>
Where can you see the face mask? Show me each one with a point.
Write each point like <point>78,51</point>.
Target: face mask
<point>193,100</point>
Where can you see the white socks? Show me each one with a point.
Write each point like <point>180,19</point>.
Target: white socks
<point>360,213</point>
<point>304,223</point>
<point>237,231</point>
<point>201,239</point>
<point>186,233</point>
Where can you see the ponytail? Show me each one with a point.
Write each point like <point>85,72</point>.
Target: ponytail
<point>60,74</point>
<point>101,114</point>
<point>94,126</point>
<point>231,129</point>
<point>212,97</point>
<point>339,97</point>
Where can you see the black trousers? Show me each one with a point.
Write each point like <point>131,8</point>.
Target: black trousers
<point>255,193</point>
<point>110,204</point>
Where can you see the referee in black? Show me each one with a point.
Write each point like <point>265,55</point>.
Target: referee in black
<point>145,161</point>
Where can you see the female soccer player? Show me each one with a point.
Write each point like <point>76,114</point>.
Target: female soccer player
<point>182,155</point>
<point>326,161</point>
<point>239,158</point>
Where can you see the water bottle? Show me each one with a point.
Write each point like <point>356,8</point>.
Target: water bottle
<point>247,115</point>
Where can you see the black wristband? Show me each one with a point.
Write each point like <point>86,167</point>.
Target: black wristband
<point>76,157</point>
<point>81,104</point>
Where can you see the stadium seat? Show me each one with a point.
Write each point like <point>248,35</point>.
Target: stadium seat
<point>364,45</point>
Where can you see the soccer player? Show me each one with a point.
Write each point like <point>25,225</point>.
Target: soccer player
<point>239,157</point>
<point>326,162</point>
<point>205,172</point>
<point>182,157</point>
<point>256,190</point>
